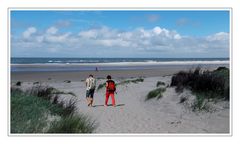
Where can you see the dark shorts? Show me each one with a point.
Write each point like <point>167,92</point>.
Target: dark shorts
<point>90,93</point>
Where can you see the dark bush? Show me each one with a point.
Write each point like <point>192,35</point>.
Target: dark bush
<point>67,81</point>
<point>214,84</point>
<point>156,93</point>
<point>182,100</point>
<point>29,114</point>
<point>73,124</point>
<point>221,68</point>
<point>18,83</point>
<point>69,108</point>
<point>160,83</point>
<point>36,83</point>
<point>100,86</point>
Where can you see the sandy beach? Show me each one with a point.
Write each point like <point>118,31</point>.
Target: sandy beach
<point>133,114</point>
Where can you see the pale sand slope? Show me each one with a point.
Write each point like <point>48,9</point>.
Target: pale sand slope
<point>134,115</point>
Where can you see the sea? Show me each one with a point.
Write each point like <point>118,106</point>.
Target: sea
<point>97,64</point>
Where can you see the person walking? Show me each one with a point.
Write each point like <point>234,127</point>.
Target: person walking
<point>90,88</point>
<point>110,89</point>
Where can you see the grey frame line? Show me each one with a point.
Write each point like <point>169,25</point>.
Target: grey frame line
<point>230,9</point>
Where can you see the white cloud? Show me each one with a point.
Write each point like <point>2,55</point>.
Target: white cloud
<point>88,34</point>
<point>177,36</point>
<point>39,38</point>
<point>221,36</point>
<point>29,32</point>
<point>157,30</point>
<point>99,33</point>
<point>63,38</point>
<point>52,30</point>
<point>107,41</point>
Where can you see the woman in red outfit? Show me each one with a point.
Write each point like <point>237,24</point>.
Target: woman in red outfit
<point>110,89</point>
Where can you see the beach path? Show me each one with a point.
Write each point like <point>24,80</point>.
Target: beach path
<point>135,115</point>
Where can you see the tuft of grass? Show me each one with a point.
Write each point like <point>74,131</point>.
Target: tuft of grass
<point>62,92</point>
<point>30,112</point>
<point>18,83</point>
<point>36,83</point>
<point>137,80</point>
<point>204,84</point>
<point>182,100</point>
<point>131,81</point>
<point>159,83</point>
<point>46,92</point>
<point>156,93</point>
<point>72,124</point>
<point>69,109</point>
<point>67,81</point>
<point>100,86</point>
<point>55,100</point>
<point>71,93</point>
<point>214,84</point>
<point>200,103</point>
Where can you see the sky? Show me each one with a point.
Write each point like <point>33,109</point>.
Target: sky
<point>120,33</point>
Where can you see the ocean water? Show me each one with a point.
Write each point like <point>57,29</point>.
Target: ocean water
<point>107,60</point>
<point>81,64</point>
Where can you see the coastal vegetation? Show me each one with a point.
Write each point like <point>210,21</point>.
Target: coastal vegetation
<point>206,85</point>
<point>140,79</point>
<point>19,83</point>
<point>39,110</point>
<point>46,92</point>
<point>156,93</point>
<point>100,86</point>
<point>137,80</point>
<point>160,83</point>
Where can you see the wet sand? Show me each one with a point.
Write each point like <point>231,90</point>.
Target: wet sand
<point>80,75</point>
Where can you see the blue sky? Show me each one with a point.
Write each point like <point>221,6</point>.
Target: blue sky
<point>120,33</point>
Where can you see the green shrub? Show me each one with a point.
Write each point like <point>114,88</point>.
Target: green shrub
<point>131,81</point>
<point>72,124</point>
<point>214,84</point>
<point>30,113</point>
<point>100,86</point>
<point>69,109</point>
<point>156,93</point>
<point>137,80</point>
<point>159,83</point>
<point>46,92</point>
<point>200,103</point>
<point>18,83</point>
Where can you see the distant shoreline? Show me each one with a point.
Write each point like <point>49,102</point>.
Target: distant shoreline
<point>112,66</point>
<point>124,73</point>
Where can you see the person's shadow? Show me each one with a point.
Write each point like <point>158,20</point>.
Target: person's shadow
<point>108,105</point>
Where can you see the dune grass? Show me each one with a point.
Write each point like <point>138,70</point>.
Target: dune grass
<point>204,84</point>
<point>27,113</point>
<point>72,124</point>
<point>33,112</point>
<point>131,81</point>
<point>160,83</point>
<point>200,103</point>
<point>156,93</point>
<point>19,83</point>
<point>46,92</point>
<point>100,86</point>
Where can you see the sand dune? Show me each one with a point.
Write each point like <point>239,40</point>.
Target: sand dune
<point>135,115</point>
